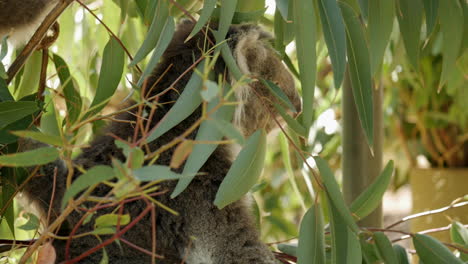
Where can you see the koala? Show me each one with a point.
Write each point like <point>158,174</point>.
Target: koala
<point>20,18</point>
<point>200,233</point>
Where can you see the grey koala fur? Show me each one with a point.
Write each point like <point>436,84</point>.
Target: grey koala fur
<point>201,233</point>
<point>20,18</point>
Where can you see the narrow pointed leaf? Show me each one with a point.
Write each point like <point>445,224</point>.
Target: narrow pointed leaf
<point>244,172</point>
<point>292,123</point>
<point>14,111</point>
<point>30,77</point>
<point>381,15</point>
<point>283,7</point>
<point>181,153</point>
<point>38,136</point>
<point>5,94</point>
<point>110,74</point>
<point>228,130</point>
<point>431,251</point>
<point>409,15</point>
<point>459,235</point>
<point>227,10</point>
<point>401,254</point>
<point>207,10</point>
<point>451,17</point>
<point>370,198</point>
<point>279,94</point>
<point>334,31</point>
<point>93,176</point>
<point>185,105</point>
<point>359,69</point>
<point>364,6</point>
<point>289,249</point>
<point>72,96</point>
<point>345,245</point>
<point>37,156</point>
<point>384,246</point>
<point>163,41</point>
<point>431,10</point>
<point>311,248</point>
<point>155,173</point>
<point>201,152</point>
<point>334,193</point>
<point>154,35</point>
<point>305,27</point>
<point>111,220</point>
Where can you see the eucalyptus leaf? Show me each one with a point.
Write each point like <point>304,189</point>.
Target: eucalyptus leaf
<point>385,249</point>
<point>14,111</point>
<point>33,157</point>
<point>108,220</point>
<point>431,251</point>
<point>381,16</point>
<point>401,254</point>
<point>279,94</point>
<point>207,10</point>
<point>155,173</point>
<point>244,172</point>
<point>38,136</point>
<point>431,10</point>
<point>409,14</point>
<point>311,248</point>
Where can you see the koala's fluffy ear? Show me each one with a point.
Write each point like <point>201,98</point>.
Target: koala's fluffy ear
<point>251,49</point>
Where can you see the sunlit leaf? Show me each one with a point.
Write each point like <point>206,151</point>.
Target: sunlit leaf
<point>31,224</point>
<point>111,220</point>
<point>30,81</point>
<point>304,14</point>
<point>371,197</point>
<point>409,15</point>
<point>459,235</point>
<point>431,9</point>
<point>381,16</point>
<point>110,74</point>
<point>181,153</point>
<point>13,111</point>
<point>384,246</point>
<point>431,251</point>
<point>185,105</point>
<point>37,156</point>
<point>283,7</point>
<point>154,35</point>
<point>244,172</point>
<point>335,37</point>
<point>93,176</point>
<point>311,248</point>
<point>334,193</point>
<point>359,70</point>
<point>451,17</point>
<point>72,96</point>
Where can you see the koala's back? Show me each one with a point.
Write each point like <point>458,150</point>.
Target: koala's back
<point>15,13</point>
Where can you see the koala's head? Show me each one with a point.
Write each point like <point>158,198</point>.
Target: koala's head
<point>258,60</point>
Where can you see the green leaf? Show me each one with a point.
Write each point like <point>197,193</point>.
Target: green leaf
<point>154,35</point>
<point>14,111</point>
<point>31,224</point>
<point>72,96</point>
<point>161,46</point>
<point>359,70</point>
<point>289,249</point>
<point>283,7</point>
<point>431,251</point>
<point>311,248</point>
<point>370,198</point>
<point>207,10</point>
<point>155,173</point>
<point>334,194</point>
<point>292,123</point>
<point>37,156</point>
<point>227,10</point>
<point>304,14</point>
<point>210,92</point>
<point>279,94</point>
<point>345,245</point>
<point>228,130</point>
<point>108,220</point>
<point>5,94</point>
<point>385,249</point>
<point>364,6</point>
<point>401,254</point>
<point>30,81</point>
<point>431,9</point>
<point>201,152</point>
<point>93,176</point>
<point>335,37</point>
<point>185,105</point>
<point>244,172</point>
<point>381,15</point>
<point>38,136</point>
<point>459,235</point>
<point>110,74</point>
<point>409,14</point>
<point>451,17</point>
<point>4,49</point>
